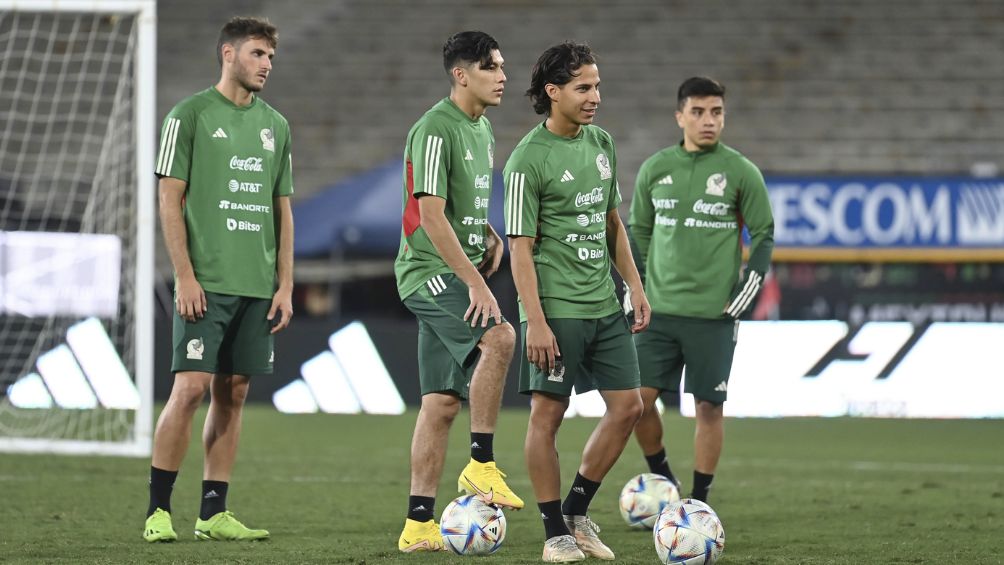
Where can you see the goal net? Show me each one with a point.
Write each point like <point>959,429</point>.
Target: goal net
<point>76,225</point>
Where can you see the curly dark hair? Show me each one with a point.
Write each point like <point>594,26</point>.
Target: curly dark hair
<point>558,65</point>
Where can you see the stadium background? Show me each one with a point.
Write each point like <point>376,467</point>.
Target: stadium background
<point>816,90</point>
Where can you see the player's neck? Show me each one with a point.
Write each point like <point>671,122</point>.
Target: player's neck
<point>557,125</point>
<point>234,92</point>
<point>467,104</point>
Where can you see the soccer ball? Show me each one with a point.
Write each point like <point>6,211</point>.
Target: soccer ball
<point>471,527</point>
<point>644,497</point>
<point>688,532</point>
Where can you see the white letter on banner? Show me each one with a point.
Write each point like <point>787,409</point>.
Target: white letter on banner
<point>813,206</point>
<point>781,197</point>
<point>838,213</point>
<point>872,209</point>
<point>936,217</point>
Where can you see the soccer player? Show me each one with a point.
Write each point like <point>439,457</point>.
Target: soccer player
<point>225,181</point>
<point>447,251</point>
<point>564,232</point>
<point>690,204</point>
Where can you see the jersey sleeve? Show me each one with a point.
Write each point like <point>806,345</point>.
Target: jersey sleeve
<point>522,196</point>
<point>429,155</point>
<point>284,181</point>
<point>174,159</point>
<point>642,216</point>
<point>615,187</point>
<point>754,205</point>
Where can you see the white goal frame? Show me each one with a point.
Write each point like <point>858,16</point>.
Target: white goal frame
<point>145,76</point>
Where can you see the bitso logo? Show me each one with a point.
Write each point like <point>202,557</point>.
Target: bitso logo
<point>267,140</point>
<point>249,164</point>
<point>603,164</point>
<point>475,239</point>
<point>242,225</point>
<point>195,348</point>
<point>716,184</point>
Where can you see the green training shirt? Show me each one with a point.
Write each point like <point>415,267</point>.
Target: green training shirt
<point>558,191</point>
<point>687,216</point>
<point>235,161</point>
<point>447,155</point>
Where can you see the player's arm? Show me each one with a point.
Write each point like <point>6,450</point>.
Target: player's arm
<point>541,345</point>
<point>444,239</point>
<point>620,247</point>
<point>190,299</point>
<point>754,205</point>
<point>642,220</point>
<point>282,300</point>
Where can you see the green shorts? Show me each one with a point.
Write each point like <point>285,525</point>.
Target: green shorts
<point>231,338</point>
<point>704,346</point>
<point>447,345</point>
<point>595,354</point>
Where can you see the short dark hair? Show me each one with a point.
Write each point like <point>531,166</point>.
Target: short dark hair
<point>558,65</point>
<point>699,87</point>
<point>239,29</point>
<point>469,47</point>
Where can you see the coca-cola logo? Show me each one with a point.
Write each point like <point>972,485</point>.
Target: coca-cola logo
<point>250,164</point>
<point>711,208</point>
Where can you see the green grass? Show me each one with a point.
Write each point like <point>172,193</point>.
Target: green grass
<point>332,489</point>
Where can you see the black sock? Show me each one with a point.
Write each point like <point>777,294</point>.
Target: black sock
<point>554,523</point>
<point>161,485</point>
<point>659,464</point>
<point>579,496</point>
<point>481,447</point>
<point>702,484</point>
<point>214,499</point>
<point>420,508</point>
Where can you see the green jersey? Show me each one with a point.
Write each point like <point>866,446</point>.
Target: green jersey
<point>447,155</point>
<point>235,161</point>
<point>687,216</point>
<point>558,191</point>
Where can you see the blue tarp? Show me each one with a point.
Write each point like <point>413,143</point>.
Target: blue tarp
<point>361,215</point>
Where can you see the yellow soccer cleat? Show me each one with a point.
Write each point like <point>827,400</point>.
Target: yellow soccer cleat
<point>223,526</point>
<point>420,536</point>
<point>159,528</point>
<point>485,481</point>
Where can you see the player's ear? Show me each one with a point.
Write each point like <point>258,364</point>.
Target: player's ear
<point>228,52</point>
<point>459,75</point>
<point>552,91</point>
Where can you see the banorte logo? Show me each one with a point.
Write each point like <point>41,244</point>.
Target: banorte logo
<point>250,164</point>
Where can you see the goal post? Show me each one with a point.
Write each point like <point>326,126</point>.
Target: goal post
<point>77,220</point>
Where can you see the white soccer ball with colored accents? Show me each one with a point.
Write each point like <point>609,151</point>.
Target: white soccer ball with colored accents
<point>644,497</point>
<point>688,532</point>
<point>471,527</point>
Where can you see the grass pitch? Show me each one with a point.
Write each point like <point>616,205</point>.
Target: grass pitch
<point>333,489</point>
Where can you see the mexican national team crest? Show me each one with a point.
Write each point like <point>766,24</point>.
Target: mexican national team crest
<point>491,156</point>
<point>603,164</point>
<point>267,140</point>
<point>716,184</point>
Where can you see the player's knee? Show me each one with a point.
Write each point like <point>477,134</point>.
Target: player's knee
<point>444,407</point>
<point>187,394</point>
<point>500,340</point>
<point>627,412</point>
<point>708,411</point>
